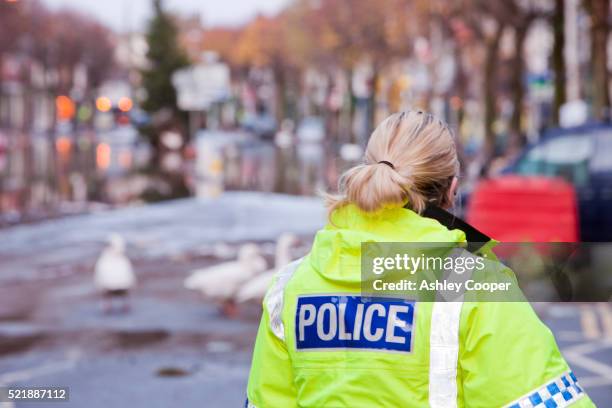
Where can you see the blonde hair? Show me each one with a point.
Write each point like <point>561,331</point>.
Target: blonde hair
<point>410,159</point>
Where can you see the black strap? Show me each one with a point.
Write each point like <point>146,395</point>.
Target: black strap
<point>475,238</point>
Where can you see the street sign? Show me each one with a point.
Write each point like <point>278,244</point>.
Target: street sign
<point>198,86</point>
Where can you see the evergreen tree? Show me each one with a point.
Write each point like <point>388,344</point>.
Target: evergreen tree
<point>165,56</point>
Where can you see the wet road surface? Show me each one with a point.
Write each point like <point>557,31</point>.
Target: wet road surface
<point>173,348</point>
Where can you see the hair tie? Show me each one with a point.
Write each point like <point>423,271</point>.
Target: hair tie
<point>387,163</point>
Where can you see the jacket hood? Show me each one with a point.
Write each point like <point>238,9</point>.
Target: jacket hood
<point>336,251</point>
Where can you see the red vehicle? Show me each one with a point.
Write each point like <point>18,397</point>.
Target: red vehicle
<point>525,209</point>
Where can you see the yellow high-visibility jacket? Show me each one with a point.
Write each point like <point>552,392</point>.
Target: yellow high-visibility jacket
<point>321,344</point>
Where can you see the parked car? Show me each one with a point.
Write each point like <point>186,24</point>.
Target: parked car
<point>583,156</point>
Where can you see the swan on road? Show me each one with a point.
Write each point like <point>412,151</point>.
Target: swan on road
<point>256,288</point>
<point>114,275</point>
<point>220,282</point>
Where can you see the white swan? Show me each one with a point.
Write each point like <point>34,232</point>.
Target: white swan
<point>256,288</point>
<point>114,275</point>
<point>220,282</point>
<point>219,250</point>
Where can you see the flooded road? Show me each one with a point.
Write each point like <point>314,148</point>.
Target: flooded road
<point>173,348</point>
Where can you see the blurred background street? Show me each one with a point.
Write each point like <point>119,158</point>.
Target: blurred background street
<point>166,138</point>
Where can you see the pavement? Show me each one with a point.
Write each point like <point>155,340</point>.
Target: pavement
<point>584,335</point>
<point>174,348</point>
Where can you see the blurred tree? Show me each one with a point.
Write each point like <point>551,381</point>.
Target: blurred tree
<point>262,45</point>
<point>599,12</point>
<point>489,21</point>
<point>223,41</point>
<point>517,80</point>
<point>380,30</point>
<point>11,25</point>
<point>378,33</point>
<point>487,27</point>
<point>557,22</point>
<point>520,15</point>
<point>97,53</point>
<point>69,40</point>
<point>455,29</point>
<point>334,42</point>
<point>164,56</point>
<point>492,41</point>
<point>11,30</point>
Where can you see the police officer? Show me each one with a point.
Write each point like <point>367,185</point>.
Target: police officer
<point>322,344</point>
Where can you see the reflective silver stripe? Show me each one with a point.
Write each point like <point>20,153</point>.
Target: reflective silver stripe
<point>443,354</point>
<point>444,342</point>
<point>274,298</point>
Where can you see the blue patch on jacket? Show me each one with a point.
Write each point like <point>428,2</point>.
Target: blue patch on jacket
<point>355,322</point>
